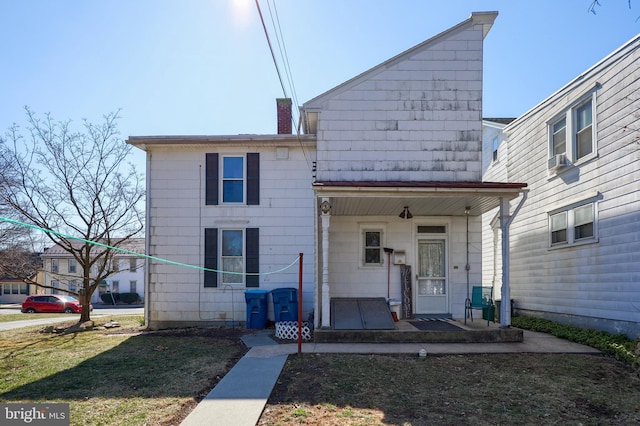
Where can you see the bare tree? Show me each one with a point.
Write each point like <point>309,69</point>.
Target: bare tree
<point>78,187</point>
<point>596,3</point>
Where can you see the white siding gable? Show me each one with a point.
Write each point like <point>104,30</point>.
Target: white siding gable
<point>416,117</point>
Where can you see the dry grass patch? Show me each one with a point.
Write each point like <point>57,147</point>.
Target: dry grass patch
<point>121,376</point>
<point>25,317</point>
<point>332,389</point>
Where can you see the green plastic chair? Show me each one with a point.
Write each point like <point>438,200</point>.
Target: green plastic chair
<point>481,298</point>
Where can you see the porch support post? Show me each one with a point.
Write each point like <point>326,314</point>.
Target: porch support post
<point>325,208</point>
<point>505,306</point>
<point>505,223</point>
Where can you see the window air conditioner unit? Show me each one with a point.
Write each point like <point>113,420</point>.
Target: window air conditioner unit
<point>557,162</point>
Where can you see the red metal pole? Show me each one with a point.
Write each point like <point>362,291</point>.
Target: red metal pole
<point>300,305</point>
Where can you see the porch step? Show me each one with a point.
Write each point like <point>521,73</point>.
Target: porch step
<point>489,335</point>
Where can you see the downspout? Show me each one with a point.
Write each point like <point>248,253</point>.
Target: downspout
<point>505,223</point>
<point>467,211</point>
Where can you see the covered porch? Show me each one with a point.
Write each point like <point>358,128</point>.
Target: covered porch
<point>428,236</point>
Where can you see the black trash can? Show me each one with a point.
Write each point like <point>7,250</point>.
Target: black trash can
<point>285,304</point>
<point>257,309</point>
<point>498,309</point>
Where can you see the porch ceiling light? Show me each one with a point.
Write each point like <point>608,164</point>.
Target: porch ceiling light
<point>405,214</point>
<point>467,210</point>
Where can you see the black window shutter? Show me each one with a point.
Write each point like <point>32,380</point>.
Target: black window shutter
<point>253,256</point>
<point>212,178</point>
<point>253,178</point>
<point>211,256</point>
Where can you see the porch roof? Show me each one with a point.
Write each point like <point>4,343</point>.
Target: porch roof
<point>423,198</point>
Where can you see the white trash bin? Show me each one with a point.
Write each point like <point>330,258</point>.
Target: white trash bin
<point>394,307</point>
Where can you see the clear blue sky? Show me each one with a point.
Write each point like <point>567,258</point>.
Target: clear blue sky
<point>203,67</point>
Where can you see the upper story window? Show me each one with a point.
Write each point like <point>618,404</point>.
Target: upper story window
<point>72,266</point>
<point>572,134</point>
<point>233,179</point>
<point>584,130</point>
<point>54,266</point>
<point>573,225</point>
<point>495,148</point>
<point>559,137</point>
<point>133,265</point>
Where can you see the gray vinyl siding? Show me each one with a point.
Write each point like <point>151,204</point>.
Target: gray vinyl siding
<point>597,282</point>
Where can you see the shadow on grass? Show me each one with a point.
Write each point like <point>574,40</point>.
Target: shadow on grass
<point>181,363</point>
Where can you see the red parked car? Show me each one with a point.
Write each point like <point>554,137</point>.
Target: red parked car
<point>52,303</point>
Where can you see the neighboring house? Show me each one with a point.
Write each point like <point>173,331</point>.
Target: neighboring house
<point>575,244</point>
<point>391,160</point>
<point>61,270</point>
<point>14,290</point>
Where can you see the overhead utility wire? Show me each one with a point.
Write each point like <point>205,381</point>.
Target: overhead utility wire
<point>146,256</point>
<point>283,50</point>
<point>275,62</point>
<point>273,56</point>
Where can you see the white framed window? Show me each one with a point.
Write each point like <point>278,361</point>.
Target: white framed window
<point>372,247</point>
<point>55,266</point>
<point>73,286</point>
<point>133,264</point>
<point>573,225</point>
<point>583,133</point>
<point>115,265</point>
<point>72,266</point>
<point>133,284</point>
<point>559,137</point>
<point>572,134</point>
<point>372,244</point>
<point>55,286</point>
<point>233,179</point>
<point>232,256</point>
<point>558,226</point>
<point>115,287</point>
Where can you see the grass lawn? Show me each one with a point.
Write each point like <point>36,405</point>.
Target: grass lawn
<point>122,376</point>
<point>527,389</point>
<point>117,376</point>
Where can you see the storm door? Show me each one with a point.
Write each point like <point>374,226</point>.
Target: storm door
<point>431,279</point>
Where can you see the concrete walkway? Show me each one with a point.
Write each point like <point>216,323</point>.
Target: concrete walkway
<point>240,397</point>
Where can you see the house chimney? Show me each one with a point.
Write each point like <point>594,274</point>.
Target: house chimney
<point>284,116</point>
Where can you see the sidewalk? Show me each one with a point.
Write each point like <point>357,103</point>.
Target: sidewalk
<point>242,394</point>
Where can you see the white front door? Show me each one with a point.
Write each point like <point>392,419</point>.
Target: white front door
<point>431,279</point>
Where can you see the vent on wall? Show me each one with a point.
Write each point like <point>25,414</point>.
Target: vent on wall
<point>557,162</point>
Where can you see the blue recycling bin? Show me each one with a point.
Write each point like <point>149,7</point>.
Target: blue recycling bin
<point>285,304</point>
<point>257,308</point>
